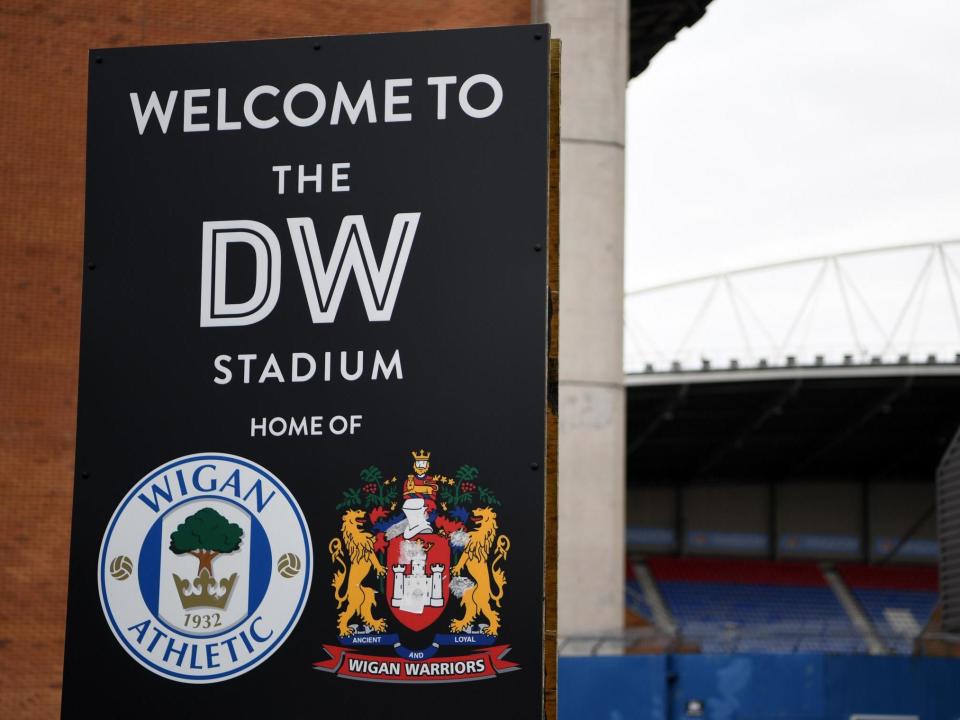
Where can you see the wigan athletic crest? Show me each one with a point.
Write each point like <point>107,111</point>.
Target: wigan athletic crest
<point>419,578</point>
<point>205,568</point>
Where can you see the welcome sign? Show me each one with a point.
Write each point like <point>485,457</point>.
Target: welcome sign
<point>312,429</point>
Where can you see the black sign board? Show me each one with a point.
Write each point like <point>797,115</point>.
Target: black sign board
<point>311,439</point>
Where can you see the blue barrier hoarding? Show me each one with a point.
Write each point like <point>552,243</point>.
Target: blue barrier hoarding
<point>754,686</point>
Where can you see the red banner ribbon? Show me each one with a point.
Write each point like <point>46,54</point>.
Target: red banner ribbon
<point>482,664</point>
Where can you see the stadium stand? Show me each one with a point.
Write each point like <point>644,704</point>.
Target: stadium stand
<point>898,600</point>
<point>636,601</point>
<point>754,606</point>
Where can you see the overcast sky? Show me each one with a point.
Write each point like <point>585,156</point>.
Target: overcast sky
<point>774,129</point>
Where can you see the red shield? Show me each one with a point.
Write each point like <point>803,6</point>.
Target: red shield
<point>418,579</point>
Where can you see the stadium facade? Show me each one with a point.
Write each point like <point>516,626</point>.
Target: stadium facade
<point>791,497</point>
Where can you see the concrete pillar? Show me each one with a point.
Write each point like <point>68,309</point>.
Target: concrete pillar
<point>591,453</point>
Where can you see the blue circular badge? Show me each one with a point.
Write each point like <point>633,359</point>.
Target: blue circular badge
<point>205,568</point>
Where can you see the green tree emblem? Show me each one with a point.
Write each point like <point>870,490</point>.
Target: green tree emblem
<point>205,535</point>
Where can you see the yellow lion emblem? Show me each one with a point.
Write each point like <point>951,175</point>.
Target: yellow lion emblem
<point>359,598</point>
<point>476,599</point>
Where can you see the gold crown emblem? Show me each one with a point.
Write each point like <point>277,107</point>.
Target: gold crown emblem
<point>207,592</point>
<point>420,455</point>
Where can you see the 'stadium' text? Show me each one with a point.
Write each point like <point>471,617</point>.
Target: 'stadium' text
<point>300,367</point>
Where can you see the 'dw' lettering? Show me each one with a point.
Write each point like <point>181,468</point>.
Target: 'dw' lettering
<point>352,252</point>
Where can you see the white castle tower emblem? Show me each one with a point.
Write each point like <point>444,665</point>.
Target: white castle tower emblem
<point>414,591</point>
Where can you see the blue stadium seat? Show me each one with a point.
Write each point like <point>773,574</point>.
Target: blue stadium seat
<point>754,606</point>
<point>897,599</point>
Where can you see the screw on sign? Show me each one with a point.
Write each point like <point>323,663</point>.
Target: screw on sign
<point>288,565</point>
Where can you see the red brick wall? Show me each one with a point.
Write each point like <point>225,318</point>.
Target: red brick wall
<point>43,61</point>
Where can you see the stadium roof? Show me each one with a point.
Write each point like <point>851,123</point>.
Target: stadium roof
<point>654,23</point>
<point>843,366</point>
<point>841,427</point>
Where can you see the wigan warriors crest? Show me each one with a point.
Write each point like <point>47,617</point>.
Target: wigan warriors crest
<point>418,573</point>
